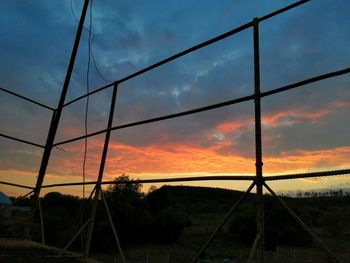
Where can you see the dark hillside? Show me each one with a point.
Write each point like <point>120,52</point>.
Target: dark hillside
<point>327,216</point>
<point>183,217</point>
<point>204,199</point>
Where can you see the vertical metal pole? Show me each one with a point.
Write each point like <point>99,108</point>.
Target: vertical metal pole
<point>258,144</point>
<point>57,114</point>
<point>101,170</point>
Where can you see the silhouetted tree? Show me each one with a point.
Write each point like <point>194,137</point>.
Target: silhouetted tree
<point>59,212</point>
<point>139,217</point>
<point>280,227</point>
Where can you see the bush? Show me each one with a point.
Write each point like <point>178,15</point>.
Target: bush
<point>280,227</point>
<point>170,224</point>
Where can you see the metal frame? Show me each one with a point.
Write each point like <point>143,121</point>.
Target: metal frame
<point>258,179</point>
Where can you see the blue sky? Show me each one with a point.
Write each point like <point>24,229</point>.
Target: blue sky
<point>311,123</point>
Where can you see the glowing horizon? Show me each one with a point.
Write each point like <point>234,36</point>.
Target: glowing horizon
<point>303,130</point>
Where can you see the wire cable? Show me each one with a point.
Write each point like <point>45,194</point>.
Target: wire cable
<point>96,67</point>
<point>75,17</point>
<point>98,71</point>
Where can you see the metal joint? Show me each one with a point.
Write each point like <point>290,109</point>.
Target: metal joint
<point>259,164</point>
<point>257,95</point>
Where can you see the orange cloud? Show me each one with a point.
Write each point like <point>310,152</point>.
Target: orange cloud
<point>174,160</point>
<point>341,104</point>
<point>230,126</point>
<point>180,159</point>
<point>165,158</point>
<point>291,117</point>
<point>308,161</point>
<point>171,158</point>
<point>281,118</point>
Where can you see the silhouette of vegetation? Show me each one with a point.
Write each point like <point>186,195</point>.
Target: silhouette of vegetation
<point>280,228</point>
<point>162,214</point>
<point>59,212</point>
<point>138,217</point>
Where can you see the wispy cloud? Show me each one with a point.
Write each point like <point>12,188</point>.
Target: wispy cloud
<point>303,130</point>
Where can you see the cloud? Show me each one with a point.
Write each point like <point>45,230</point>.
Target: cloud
<point>301,43</point>
<point>17,156</point>
<point>301,161</point>
<point>303,129</point>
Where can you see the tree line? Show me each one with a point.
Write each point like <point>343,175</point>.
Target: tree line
<point>330,193</point>
<point>138,217</point>
<point>161,215</point>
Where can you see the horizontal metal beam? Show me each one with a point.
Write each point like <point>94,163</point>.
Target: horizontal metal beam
<point>306,81</point>
<point>282,10</point>
<point>26,99</point>
<point>162,118</point>
<point>20,140</point>
<point>90,93</point>
<point>164,180</point>
<point>211,178</point>
<point>199,178</point>
<point>307,175</point>
<point>17,185</point>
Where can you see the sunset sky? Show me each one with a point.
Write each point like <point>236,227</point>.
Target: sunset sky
<point>304,130</point>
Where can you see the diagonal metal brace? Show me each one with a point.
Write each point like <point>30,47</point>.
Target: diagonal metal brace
<point>113,228</point>
<point>222,223</point>
<point>304,226</point>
